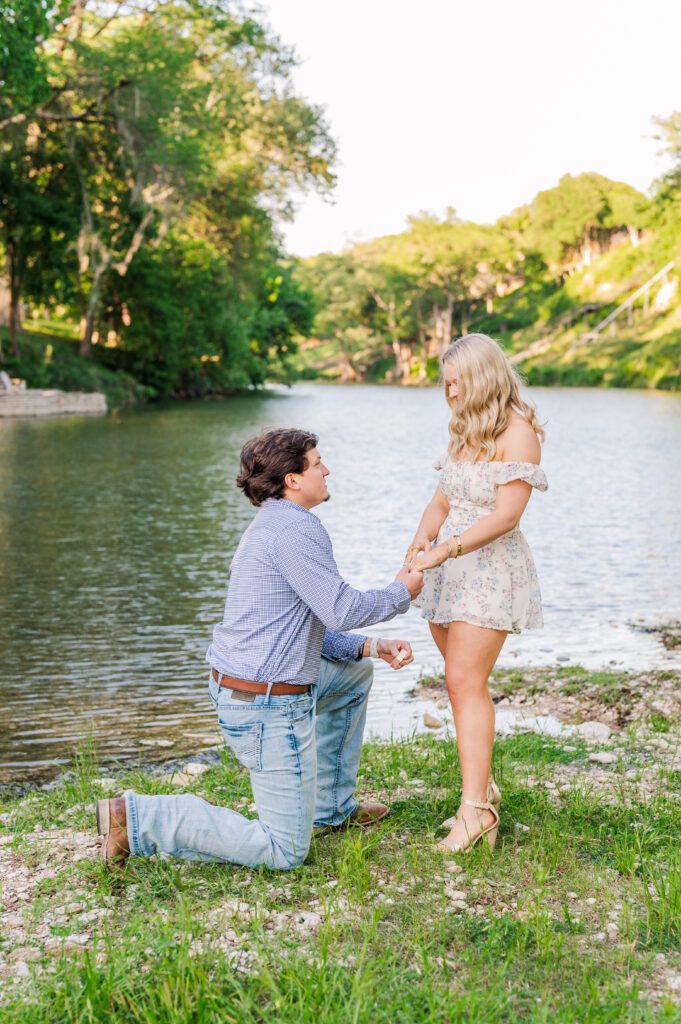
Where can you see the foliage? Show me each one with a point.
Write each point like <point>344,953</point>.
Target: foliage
<point>124,126</point>
<point>543,274</point>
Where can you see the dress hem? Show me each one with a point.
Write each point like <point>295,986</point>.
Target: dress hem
<point>515,630</point>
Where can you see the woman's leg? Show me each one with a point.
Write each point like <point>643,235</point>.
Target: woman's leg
<point>469,658</point>
<point>439,636</point>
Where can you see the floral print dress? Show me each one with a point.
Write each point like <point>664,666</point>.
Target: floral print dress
<point>495,586</point>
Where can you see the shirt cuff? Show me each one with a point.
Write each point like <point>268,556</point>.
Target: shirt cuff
<point>398,591</point>
<point>342,646</point>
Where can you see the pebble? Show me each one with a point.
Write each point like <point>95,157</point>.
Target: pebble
<point>593,730</point>
<point>571,895</point>
<point>519,827</point>
<point>612,930</point>
<point>195,768</point>
<point>431,722</point>
<point>452,867</point>
<point>674,982</point>
<point>562,657</point>
<point>456,895</point>
<point>591,901</point>
<point>306,921</point>
<point>25,953</point>
<point>599,937</point>
<point>603,757</point>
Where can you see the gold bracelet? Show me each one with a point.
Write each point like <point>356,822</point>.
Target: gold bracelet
<point>458,550</point>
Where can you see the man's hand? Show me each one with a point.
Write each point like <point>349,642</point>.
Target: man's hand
<point>396,652</point>
<point>413,581</point>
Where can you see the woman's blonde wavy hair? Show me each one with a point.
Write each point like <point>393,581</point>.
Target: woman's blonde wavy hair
<point>489,387</point>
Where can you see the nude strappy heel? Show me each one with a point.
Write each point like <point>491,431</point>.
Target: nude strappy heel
<point>493,795</point>
<point>489,834</point>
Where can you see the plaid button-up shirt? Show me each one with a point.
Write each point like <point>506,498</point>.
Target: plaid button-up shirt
<point>287,604</point>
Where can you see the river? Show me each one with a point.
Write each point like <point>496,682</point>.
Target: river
<point>117,532</point>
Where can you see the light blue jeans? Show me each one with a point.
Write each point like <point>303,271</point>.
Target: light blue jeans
<point>302,752</point>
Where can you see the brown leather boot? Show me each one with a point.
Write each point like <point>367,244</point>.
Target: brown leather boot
<point>112,827</point>
<point>364,815</point>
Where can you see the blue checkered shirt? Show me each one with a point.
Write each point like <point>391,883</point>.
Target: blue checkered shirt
<point>287,604</point>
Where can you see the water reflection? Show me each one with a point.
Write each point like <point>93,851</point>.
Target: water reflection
<point>116,534</point>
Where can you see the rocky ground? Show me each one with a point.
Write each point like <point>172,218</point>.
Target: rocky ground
<point>580,905</point>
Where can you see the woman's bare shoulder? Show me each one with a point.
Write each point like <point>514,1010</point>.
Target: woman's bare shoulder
<point>518,443</point>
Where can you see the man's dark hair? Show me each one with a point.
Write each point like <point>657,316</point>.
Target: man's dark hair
<point>268,458</point>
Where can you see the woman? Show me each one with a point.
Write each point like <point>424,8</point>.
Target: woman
<point>479,579</point>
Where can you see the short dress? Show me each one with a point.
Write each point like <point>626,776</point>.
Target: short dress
<point>495,586</point>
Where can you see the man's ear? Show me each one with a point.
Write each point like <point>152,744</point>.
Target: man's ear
<point>291,483</point>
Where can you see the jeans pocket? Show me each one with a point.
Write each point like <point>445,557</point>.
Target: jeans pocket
<point>301,707</point>
<point>245,742</point>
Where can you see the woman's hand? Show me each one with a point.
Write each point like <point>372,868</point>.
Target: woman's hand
<point>430,559</point>
<point>419,543</point>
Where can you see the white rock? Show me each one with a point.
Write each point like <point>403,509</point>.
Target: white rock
<point>612,930</point>
<point>456,895</point>
<point>571,895</point>
<point>519,827</point>
<point>195,768</point>
<point>306,921</point>
<point>591,901</point>
<point>674,982</point>
<point>593,730</point>
<point>603,757</point>
<point>452,867</point>
<point>25,953</point>
<point>599,937</point>
<point>431,722</point>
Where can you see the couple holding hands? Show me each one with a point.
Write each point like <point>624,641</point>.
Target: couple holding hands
<point>290,684</point>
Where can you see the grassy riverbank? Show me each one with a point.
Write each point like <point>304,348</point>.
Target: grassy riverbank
<point>575,917</point>
<point>49,358</point>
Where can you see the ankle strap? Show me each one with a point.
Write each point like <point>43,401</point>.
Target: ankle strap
<point>480,806</point>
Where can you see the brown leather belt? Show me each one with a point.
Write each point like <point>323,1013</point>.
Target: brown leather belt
<point>248,686</point>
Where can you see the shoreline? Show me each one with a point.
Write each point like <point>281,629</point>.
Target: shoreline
<point>526,698</point>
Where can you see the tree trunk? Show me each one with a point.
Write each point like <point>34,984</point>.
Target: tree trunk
<point>92,303</point>
<point>14,277</point>
<point>348,372</point>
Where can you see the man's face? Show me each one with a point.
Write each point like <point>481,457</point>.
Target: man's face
<point>312,489</point>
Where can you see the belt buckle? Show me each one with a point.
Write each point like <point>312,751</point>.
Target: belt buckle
<point>243,695</point>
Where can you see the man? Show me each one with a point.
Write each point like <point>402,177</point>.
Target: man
<point>289,684</point>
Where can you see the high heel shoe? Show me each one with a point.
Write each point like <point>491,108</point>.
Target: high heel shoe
<point>489,834</point>
<point>493,796</point>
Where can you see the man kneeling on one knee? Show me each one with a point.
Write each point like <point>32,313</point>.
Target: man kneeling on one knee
<point>290,686</point>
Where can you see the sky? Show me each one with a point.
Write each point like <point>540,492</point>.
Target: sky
<point>475,106</point>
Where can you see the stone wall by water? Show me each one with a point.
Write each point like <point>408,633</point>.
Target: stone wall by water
<point>51,403</point>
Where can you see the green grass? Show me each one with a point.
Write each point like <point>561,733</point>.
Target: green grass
<point>581,847</point>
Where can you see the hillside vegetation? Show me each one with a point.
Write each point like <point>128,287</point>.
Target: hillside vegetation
<point>540,280</point>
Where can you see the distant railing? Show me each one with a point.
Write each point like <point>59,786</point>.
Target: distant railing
<point>627,305</point>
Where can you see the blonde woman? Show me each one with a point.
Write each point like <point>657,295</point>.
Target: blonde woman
<point>480,582</point>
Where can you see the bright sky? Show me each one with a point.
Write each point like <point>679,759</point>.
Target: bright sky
<point>477,105</point>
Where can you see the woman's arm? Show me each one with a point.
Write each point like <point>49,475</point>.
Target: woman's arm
<point>432,519</point>
<point>512,499</point>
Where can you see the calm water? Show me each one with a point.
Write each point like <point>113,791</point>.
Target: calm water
<point>116,534</point>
